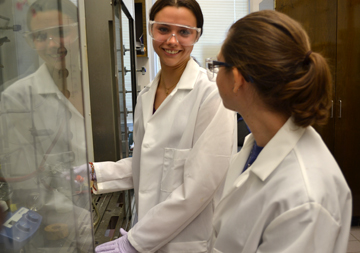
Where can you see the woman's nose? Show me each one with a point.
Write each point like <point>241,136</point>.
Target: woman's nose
<point>52,42</point>
<point>172,39</point>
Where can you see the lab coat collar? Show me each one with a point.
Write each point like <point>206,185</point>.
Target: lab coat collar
<point>276,149</point>
<point>186,82</point>
<point>44,84</point>
<point>187,79</point>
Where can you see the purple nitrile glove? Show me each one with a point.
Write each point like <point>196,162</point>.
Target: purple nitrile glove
<point>120,245</point>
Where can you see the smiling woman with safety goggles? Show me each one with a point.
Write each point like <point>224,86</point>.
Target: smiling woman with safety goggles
<point>185,35</point>
<point>184,138</point>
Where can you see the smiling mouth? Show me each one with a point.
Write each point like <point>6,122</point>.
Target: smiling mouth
<point>60,53</point>
<point>172,51</point>
<point>62,50</point>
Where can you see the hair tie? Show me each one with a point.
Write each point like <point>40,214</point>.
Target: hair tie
<point>307,57</point>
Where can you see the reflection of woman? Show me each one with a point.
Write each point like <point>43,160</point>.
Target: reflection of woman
<point>284,191</point>
<point>183,140</point>
<point>53,31</point>
<point>43,131</point>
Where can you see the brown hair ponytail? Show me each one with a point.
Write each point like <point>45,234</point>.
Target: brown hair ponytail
<point>309,96</point>
<point>274,50</point>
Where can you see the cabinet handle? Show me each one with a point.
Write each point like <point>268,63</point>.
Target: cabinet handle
<point>142,70</point>
<point>125,70</point>
<point>125,49</point>
<point>340,103</point>
<point>332,109</point>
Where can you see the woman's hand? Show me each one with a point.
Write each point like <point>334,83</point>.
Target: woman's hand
<point>121,245</point>
<point>80,172</point>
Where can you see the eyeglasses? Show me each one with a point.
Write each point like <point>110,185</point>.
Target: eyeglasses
<point>212,68</point>
<point>65,34</point>
<point>184,35</point>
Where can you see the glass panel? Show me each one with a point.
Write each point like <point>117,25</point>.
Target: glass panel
<point>127,77</point>
<point>121,72</point>
<point>42,133</point>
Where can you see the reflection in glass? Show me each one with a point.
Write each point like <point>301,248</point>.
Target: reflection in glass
<point>42,136</point>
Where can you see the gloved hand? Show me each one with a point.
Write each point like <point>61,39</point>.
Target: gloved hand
<point>81,171</point>
<point>121,245</point>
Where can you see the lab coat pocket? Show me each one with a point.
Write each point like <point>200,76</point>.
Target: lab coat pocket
<point>173,168</point>
<point>182,247</point>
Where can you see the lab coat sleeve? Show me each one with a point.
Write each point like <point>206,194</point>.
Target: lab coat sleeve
<point>307,228</point>
<point>113,176</point>
<point>204,171</point>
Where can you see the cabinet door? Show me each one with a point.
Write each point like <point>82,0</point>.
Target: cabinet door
<point>121,69</point>
<point>319,20</point>
<point>347,127</point>
<point>103,80</point>
<point>128,92</point>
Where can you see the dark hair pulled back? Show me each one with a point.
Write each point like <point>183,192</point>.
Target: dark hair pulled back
<point>192,5</point>
<point>63,6</point>
<point>274,50</point>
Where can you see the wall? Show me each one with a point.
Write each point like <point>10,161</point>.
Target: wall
<point>256,5</point>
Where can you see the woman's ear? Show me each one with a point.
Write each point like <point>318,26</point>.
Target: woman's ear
<point>239,80</point>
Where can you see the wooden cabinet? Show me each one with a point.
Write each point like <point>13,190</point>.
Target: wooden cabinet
<point>347,96</point>
<point>334,30</point>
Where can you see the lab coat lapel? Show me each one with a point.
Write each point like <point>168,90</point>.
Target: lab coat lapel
<point>44,85</point>
<point>268,160</point>
<point>148,99</point>
<point>277,149</point>
<point>237,165</point>
<point>186,82</point>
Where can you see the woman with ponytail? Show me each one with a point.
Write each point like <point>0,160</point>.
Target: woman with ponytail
<point>284,191</point>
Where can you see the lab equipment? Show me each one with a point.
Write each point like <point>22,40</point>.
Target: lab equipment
<point>19,228</point>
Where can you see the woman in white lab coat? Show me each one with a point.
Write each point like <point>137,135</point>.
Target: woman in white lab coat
<point>284,191</point>
<point>184,138</point>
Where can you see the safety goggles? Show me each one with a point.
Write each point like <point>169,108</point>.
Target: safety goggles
<point>184,35</point>
<point>63,34</point>
<point>212,68</point>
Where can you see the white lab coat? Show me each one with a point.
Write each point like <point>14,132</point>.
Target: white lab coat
<point>180,159</point>
<point>60,141</point>
<point>293,198</point>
